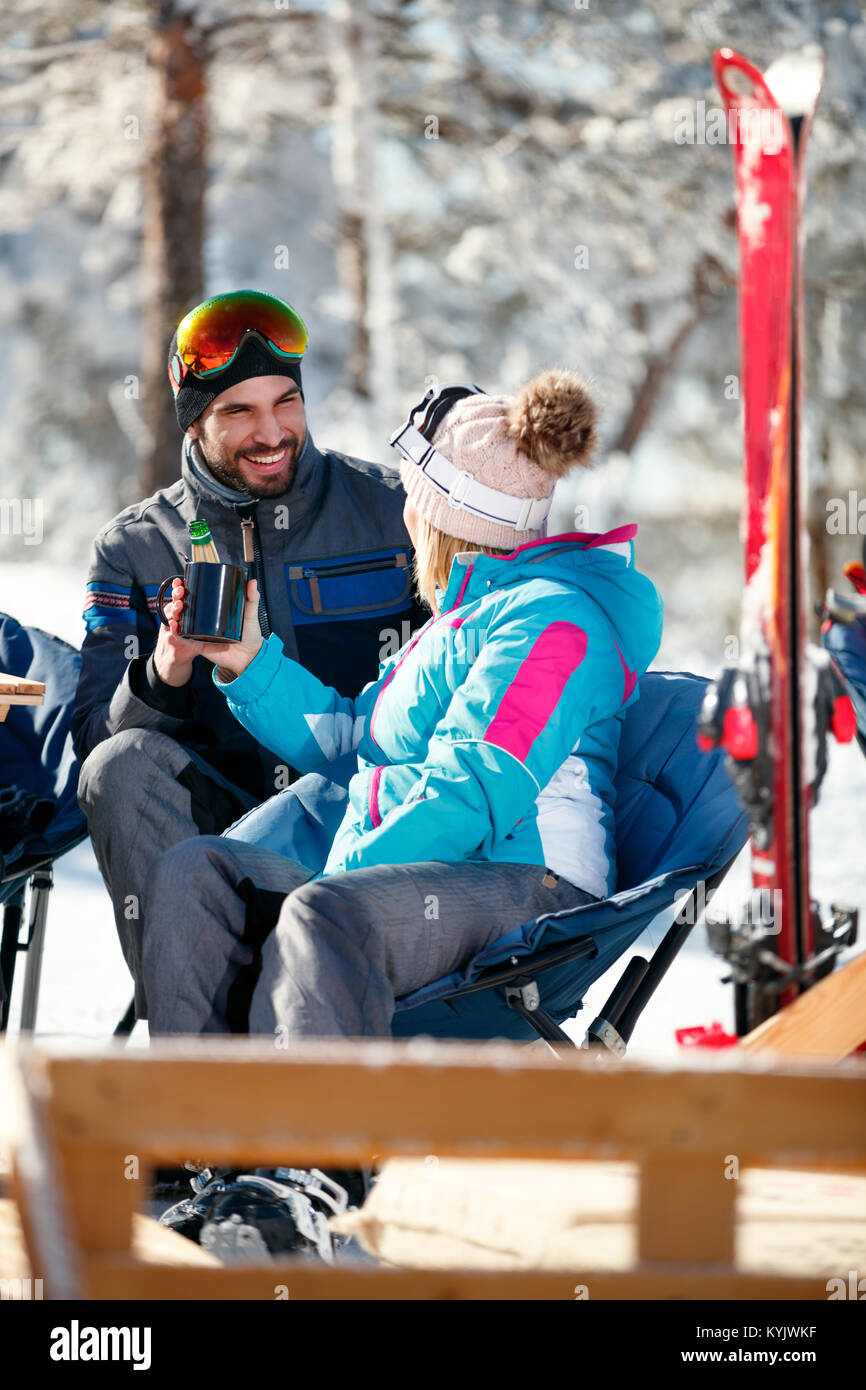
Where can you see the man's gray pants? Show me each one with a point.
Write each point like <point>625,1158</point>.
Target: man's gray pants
<point>238,938</point>
<point>142,792</point>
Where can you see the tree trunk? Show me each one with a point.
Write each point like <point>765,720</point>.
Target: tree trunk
<point>363,246</point>
<point>708,278</point>
<point>173,230</point>
<point>818,581</point>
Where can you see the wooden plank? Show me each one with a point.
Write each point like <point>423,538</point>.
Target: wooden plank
<point>301,1281</point>
<point>14,1261</point>
<point>339,1103</point>
<point>40,1192</point>
<point>100,1201</point>
<point>827,1022</point>
<point>20,685</point>
<point>686,1210</point>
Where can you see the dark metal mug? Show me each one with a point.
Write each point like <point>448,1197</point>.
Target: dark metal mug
<point>213,604</point>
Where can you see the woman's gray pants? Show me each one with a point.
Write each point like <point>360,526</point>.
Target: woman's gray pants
<point>238,939</point>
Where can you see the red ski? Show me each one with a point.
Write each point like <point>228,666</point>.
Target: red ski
<point>771,711</point>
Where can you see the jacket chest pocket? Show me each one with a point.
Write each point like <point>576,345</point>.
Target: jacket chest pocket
<point>371,585</point>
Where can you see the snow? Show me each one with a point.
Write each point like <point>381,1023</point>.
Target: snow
<point>86,987</point>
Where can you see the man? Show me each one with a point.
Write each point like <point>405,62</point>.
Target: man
<point>163,758</point>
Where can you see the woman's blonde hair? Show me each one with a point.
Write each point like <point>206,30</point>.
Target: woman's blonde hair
<point>434,551</point>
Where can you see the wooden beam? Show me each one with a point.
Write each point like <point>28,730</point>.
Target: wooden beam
<point>20,685</point>
<point>17,690</point>
<point>300,1280</point>
<point>100,1201</point>
<point>686,1210</point>
<point>828,1022</point>
<point>339,1103</point>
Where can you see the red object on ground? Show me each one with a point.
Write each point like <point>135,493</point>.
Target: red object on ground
<point>844,720</point>
<point>714,1036</point>
<point>740,733</point>
<point>857,574</point>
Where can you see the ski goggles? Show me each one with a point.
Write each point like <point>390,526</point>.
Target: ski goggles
<point>211,335</point>
<point>459,487</point>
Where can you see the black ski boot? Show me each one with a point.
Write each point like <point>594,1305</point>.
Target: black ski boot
<point>188,1215</point>
<point>271,1212</point>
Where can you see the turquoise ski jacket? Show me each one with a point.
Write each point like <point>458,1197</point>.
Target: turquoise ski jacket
<point>493,733</point>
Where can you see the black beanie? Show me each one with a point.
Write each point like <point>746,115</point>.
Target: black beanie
<point>196,393</point>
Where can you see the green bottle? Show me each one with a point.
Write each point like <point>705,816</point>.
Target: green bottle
<point>201,543</point>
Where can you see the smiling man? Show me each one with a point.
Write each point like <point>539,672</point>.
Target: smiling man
<point>163,759</point>
<point>230,435</point>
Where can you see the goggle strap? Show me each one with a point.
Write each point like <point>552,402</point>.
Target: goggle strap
<point>438,401</point>
<point>465,492</point>
<point>441,402</point>
<point>411,443</point>
<point>432,404</point>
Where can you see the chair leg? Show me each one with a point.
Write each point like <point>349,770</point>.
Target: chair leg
<point>40,887</point>
<point>12,914</point>
<point>684,923</point>
<point>602,1032</point>
<point>127,1023</point>
<point>523,998</point>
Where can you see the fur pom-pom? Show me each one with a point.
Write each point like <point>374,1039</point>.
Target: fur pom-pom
<point>553,418</point>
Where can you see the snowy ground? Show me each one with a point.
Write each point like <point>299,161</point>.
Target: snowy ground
<point>85,985</point>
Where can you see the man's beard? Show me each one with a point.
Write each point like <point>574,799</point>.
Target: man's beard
<point>228,469</point>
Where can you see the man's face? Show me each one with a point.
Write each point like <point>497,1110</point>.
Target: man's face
<point>251,435</point>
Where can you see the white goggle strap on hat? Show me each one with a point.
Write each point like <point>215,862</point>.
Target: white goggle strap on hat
<point>460,488</point>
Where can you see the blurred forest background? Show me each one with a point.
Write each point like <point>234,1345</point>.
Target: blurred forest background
<point>462,191</point>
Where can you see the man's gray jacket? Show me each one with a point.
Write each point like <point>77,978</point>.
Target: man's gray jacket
<point>334,565</point>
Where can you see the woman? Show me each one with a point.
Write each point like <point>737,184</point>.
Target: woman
<point>485,753</point>
<point>486,749</point>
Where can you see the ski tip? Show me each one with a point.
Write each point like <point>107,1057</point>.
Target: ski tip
<point>737,78</point>
<point>793,82</point>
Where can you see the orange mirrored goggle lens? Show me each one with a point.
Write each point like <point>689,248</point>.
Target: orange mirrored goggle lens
<point>210,335</point>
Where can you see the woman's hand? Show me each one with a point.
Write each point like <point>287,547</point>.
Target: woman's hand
<point>230,657</point>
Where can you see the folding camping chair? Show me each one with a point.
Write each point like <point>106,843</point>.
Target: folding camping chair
<point>39,814</point>
<point>679,828</point>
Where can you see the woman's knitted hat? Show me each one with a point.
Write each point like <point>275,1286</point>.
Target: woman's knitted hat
<point>517,445</point>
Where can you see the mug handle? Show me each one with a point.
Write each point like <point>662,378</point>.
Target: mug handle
<point>161,596</point>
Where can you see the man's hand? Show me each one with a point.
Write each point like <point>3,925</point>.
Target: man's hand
<point>179,653</point>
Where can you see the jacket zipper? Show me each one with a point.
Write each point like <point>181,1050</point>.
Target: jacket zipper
<point>362,566</point>
<point>259,574</point>
<point>427,628</point>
